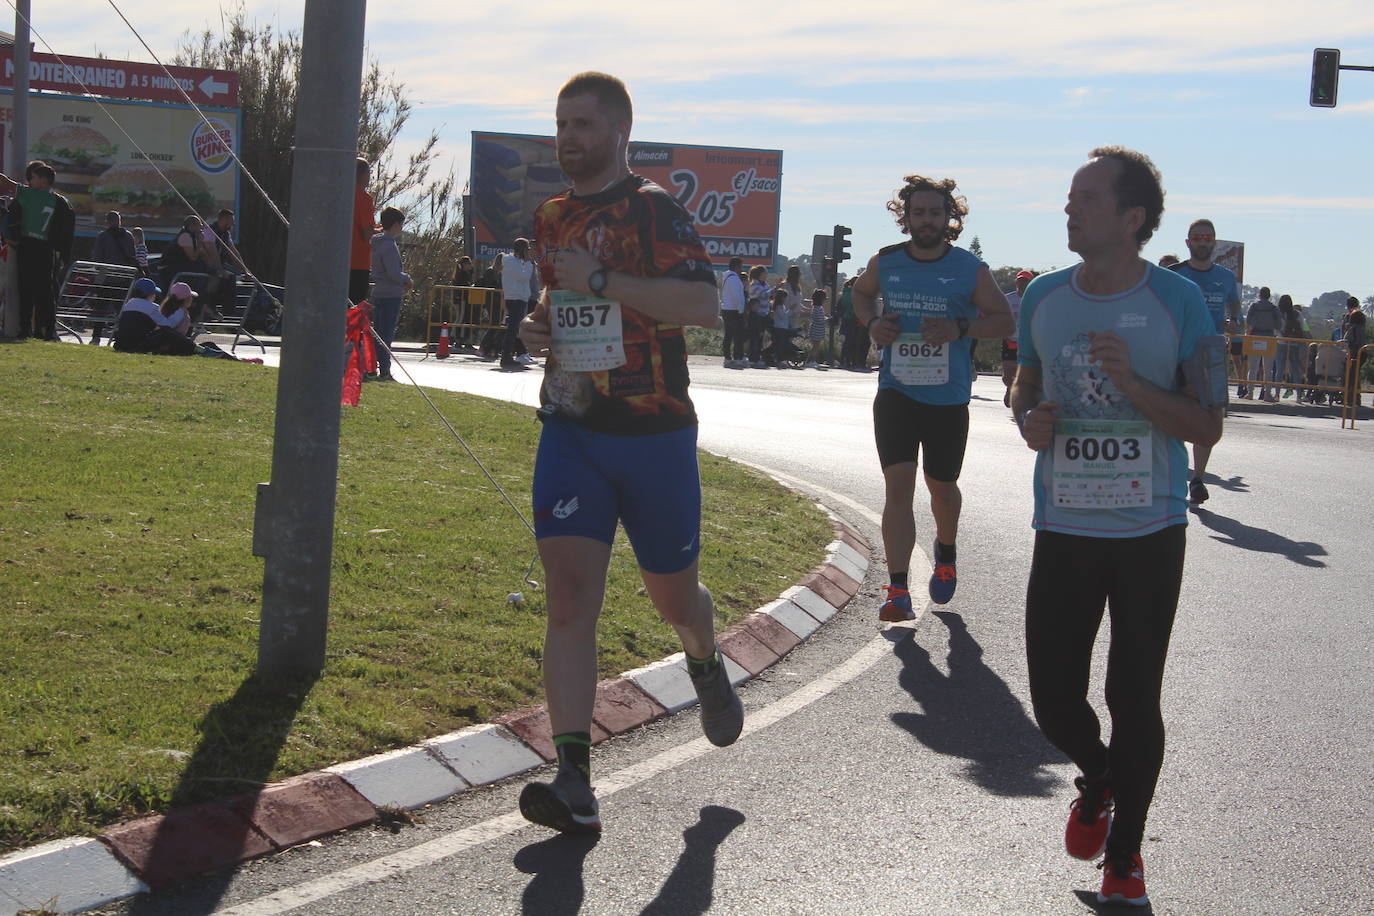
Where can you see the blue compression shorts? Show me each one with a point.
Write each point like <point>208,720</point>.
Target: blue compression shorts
<point>586,482</point>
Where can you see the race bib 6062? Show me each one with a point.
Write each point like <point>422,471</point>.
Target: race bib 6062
<point>917,361</point>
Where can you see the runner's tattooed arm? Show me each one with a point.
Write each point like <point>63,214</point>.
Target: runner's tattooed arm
<point>1176,414</point>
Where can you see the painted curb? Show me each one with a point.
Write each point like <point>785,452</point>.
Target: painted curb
<point>74,874</point>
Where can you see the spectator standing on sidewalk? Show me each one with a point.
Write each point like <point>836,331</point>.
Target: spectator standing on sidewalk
<point>140,249</point>
<point>390,285</point>
<point>114,244</point>
<point>516,269</point>
<point>1291,351</point>
<point>732,304</point>
<point>42,225</point>
<point>760,305</point>
<point>360,252</point>
<point>1355,329</point>
<point>1262,319</point>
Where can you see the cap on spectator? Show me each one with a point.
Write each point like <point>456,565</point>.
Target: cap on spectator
<point>144,287</point>
<point>181,290</point>
<point>1025,275</point>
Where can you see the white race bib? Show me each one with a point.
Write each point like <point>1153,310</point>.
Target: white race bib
<point>1102,464</point>
<point>917,361</point>
<point>586,331</point>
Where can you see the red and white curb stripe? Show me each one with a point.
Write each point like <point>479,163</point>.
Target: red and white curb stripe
<point>75,874</point>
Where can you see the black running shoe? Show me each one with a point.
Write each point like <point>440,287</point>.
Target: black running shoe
<point>722,713</point>
<point>567,804</point>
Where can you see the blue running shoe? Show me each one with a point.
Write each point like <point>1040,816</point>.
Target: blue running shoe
<point>897,607</point>
<point>943,582</point>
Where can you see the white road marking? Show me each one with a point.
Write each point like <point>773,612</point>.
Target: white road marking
<point>451,844</point>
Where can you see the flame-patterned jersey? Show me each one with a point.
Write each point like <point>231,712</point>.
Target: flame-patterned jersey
<point>636,228</point>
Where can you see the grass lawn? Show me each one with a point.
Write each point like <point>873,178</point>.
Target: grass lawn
<point>130,593</point>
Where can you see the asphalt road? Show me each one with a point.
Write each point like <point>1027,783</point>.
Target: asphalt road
<point>901,772</point>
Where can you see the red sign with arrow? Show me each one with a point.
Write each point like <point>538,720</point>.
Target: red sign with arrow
<point>124,79</point>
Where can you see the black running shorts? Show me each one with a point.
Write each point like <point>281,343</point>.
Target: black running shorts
<point>903,427</point>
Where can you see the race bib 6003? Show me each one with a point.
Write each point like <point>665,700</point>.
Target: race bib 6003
<point>1102,464</point>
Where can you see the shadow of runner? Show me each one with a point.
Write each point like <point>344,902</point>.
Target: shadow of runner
<point>689,888</point>
<point>1089,900</point>
<point>971,713</point>
<point>1230,484</point>
<point>1239,534</point>
<point>557,888</point>
<point>240,741</point>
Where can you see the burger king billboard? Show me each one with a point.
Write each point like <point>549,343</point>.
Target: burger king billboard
<point>175,159</point>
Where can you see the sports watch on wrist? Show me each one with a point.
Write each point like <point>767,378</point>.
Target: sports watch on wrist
<point>963,327</point>
<point>596,281</point>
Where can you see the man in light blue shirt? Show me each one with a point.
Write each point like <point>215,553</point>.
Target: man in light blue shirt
<point>1221,294</point>
<point>1103,349</point>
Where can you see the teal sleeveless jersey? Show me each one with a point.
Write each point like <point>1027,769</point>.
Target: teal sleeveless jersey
<point>915,290</point>
<point>1087,489</point>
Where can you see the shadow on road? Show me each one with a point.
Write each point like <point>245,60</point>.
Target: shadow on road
<point>1089,899</point>
<point>689,888</point>
<point>1238,534</point>
<point>557,887</point>
<point>1229,484</point>
<point>971,713</point>
<point>240,741</point>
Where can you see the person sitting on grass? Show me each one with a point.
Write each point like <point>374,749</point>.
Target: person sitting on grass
<point>143,328</point>
<point>176,308</point>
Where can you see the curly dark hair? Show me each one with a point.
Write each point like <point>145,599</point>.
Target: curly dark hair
<point>956,207</point>
<point>1138,184</point>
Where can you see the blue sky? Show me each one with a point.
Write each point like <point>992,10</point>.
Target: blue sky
<point>1007,98</point>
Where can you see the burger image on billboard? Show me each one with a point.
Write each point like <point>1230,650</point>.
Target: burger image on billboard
<point>78,155</point>
<point>137,191</point>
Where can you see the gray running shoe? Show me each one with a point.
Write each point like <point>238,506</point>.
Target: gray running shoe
<point>722,713</point>
<point>567,804</point>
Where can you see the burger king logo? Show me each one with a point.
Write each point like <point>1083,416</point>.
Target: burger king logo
<point>211,145</point>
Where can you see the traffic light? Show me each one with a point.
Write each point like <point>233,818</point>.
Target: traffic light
<point>839,248</point>
<point>1326,70</point>
<point>829,272</point>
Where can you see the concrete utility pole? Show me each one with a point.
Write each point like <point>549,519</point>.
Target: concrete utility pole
<point>294,525</point>
<point>19,155</point>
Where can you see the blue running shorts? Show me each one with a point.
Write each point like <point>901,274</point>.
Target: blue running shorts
<point>585,482</point>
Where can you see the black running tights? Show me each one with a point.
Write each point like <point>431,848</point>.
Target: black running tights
<point>1137,579</point>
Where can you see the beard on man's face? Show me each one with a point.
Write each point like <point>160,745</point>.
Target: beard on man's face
<point>928,236</point>
<point>582,160</point>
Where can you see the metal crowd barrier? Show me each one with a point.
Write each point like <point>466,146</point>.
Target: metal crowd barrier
<point>465,308</point>
<point>1336,381</point>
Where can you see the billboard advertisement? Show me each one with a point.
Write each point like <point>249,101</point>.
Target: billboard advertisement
<point>1231,255</point>
<point>733,194</point>
<point>99,169</point>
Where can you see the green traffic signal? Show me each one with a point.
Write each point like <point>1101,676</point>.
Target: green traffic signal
<point>1326,70</point>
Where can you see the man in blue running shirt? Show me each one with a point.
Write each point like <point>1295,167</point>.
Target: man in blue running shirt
<point>936,299</point>
<point>1221,295</point>
<point>1120,365</point>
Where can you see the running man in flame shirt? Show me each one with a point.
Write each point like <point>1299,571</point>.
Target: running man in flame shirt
<point>634,227</point>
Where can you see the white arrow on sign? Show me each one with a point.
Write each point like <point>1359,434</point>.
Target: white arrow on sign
<point>211,87</point>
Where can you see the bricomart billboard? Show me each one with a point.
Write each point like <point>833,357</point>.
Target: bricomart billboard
<point>733,194</point>
<point>99,169</point>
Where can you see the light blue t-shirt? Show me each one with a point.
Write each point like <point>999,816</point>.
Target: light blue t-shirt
<point>916,290</point>
<point>1219,289</point>
<point>1160,319</point>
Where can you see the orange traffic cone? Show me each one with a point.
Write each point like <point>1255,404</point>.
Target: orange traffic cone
<point>443,342</point>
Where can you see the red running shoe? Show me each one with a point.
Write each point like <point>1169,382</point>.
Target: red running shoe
<point>1123,880</point>
<point>1090,817</point>
<point>897,607</point>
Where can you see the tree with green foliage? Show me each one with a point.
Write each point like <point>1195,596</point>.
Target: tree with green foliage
<point>975,248</point>
<point>268,64</point>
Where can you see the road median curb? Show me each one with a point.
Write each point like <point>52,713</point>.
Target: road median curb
<point>79,873</point>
